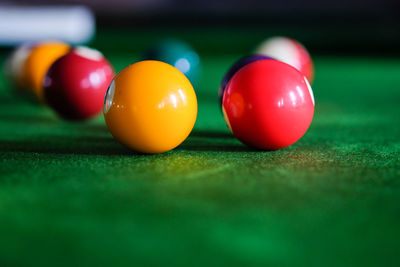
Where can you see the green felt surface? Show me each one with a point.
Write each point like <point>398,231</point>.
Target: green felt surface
<point>71,195</point>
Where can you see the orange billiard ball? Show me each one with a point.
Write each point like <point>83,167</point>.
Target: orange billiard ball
<point>42,56</point>
<point>150,107</point>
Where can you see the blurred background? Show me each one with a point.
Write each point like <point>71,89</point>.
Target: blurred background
<point>332,26</point>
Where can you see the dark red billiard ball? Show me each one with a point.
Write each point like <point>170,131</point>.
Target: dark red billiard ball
<point>234,68</point>
<point>268,104</point>
<point>76,83</point>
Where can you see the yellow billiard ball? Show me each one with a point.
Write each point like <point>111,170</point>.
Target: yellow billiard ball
<point>150,107</point>
<point>41,57</point>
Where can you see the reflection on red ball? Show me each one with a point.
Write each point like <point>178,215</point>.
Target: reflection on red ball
<point>76,84</point>
<point>268,104</point>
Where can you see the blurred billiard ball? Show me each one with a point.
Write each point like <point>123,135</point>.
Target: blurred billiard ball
<point>14,66</point>
<point>150,107</point>
<point>268,104</point>
<point>289,51</point>
<point>76,84</point>
<point>178,54</point>
<point>38,62</point>
<point>234,68</point>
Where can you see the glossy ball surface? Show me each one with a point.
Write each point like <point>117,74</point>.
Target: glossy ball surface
<point>76,84</point>
<point>289,51</point>
<point>178,54</point>
<point>268,105</point>
<point>150,107</point>
<point>234,68</point>
<point>39,61</point>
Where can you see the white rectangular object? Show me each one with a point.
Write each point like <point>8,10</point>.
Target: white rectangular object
<point>72,24</point>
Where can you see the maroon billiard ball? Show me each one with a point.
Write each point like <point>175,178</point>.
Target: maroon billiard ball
<point>268,104</point>
<point>76,83</point>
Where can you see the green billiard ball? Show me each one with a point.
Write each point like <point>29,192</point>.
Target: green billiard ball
<point>178,54</point>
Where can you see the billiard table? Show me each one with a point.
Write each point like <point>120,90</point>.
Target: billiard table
<point>72,195</point>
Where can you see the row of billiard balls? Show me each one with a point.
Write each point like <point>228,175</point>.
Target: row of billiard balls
<point>71,80</point>
<point>151,106</point>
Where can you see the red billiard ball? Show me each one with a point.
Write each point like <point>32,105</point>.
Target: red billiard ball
<point>268,104</point>
<point>234,68</point>
<point>289,51</point>
<point>76,84</point>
